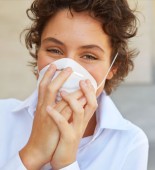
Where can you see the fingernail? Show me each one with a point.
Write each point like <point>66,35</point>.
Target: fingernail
<point>88,83</point>
<point>52,67</point>
<point>83,100</point>
<point>68,70</point>
<point>48,109</point>
<point>83,83</point>
<point>64,93</point>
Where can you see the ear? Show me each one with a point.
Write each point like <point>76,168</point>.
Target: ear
<point>112,73</point>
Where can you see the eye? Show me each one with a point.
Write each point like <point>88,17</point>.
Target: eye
<point>89,57</point>
<point>55,51</point>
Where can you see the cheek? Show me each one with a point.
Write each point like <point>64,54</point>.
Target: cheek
<point>100,90</point>
<point>99,75</point>
<point>43,60</point>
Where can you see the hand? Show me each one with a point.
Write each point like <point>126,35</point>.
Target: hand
<point>45,134</point>
<point>72,132</point>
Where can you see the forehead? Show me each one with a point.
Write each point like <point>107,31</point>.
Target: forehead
<point>76,26</point>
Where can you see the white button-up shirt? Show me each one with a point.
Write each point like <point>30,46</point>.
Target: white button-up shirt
<point>116,144</point>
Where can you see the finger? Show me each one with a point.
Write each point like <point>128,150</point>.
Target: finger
<point>62,104</point>
<point>59,106</point>
<point>67,113</point>
<point>63,126</point>
<point>76,94</point>
<point>89,93</point>
<point>63,108</point>
<point>77,108</point>
<point>82,101</point>
<point>45,81</point>
<point>56,84</point>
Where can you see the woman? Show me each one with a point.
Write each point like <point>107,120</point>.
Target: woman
<point>83,129</point>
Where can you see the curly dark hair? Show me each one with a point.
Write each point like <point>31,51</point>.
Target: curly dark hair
<point>118,20</point>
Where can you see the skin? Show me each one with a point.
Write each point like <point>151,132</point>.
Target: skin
<point>58,127</point>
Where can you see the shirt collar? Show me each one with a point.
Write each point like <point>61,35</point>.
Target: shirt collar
<point>107,115</point>
<point>29,104</point>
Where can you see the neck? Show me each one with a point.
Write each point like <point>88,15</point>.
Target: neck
<point>90,127</point>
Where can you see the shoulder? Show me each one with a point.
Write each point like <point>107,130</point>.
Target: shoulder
<point>135,136</point>
<point>123,129</point>
<point>138,134</point>
<point>133,133</point>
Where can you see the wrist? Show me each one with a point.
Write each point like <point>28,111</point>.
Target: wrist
<point>30,159</point>
<point>61,164</point>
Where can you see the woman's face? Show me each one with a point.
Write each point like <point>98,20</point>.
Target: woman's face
<point>79,37</point>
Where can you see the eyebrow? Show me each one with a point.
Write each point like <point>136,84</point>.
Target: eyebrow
<point>92,46</point>
<point>56,41</point>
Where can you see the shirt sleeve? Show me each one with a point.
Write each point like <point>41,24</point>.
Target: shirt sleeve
<point>14,163</point>
<point>73,166</point>
<point>137,158</point>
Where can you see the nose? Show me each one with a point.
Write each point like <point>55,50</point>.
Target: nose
<point>73,57</point>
